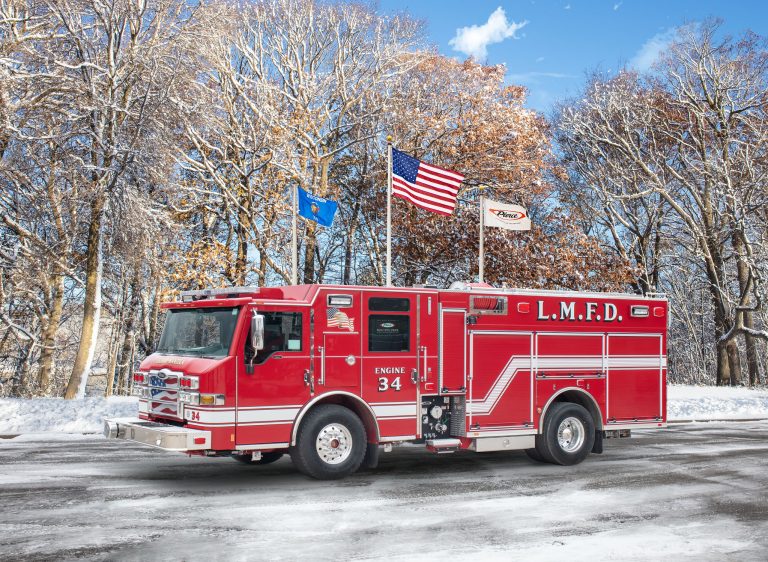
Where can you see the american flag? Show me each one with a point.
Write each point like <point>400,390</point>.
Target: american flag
<point>426,186</point>
<point>337,319</point>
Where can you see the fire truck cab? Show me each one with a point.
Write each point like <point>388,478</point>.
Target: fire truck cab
<point>333,374</point>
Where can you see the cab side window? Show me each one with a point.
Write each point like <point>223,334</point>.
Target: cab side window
<point>282,332</point>
<point>389,332</point>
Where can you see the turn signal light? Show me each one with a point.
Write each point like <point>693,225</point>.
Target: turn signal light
<point>198,399</point>
<point>138,377</point>
<point>211,399</point>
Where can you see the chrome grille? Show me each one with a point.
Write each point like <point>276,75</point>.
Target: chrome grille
<point>163,396</point>
<point>164,378</point>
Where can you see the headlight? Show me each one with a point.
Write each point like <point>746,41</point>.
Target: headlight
<point>189,397</point>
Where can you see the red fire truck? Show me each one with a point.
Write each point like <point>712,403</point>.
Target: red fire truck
<point>333,374</point>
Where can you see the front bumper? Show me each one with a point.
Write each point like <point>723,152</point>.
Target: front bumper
<point>163,436</point>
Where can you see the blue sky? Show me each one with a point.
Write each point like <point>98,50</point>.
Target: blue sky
<point>548,46</point>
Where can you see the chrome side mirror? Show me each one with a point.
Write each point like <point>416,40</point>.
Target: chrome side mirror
<point>257,332</point>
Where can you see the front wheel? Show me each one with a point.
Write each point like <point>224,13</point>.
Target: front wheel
<point>568,434</point>
<point>331,443</point>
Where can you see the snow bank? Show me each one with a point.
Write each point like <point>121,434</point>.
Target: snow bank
<point>688,402</point>
<point>56,414</point>
<point>685,402</point>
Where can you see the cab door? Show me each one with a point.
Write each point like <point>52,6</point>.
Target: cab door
<point>338,337</point>
<point>269,397</point>
<point>391,361</point>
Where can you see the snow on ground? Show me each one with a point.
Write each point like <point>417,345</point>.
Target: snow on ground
<point>685,402</point>
<point>56,414</point>
<point>691,492</point>
<point>700,403</point>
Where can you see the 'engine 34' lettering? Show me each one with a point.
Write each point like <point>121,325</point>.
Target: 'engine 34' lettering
<point>390,370</point>
<point>588,312</point>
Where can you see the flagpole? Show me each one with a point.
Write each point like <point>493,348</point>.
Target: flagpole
<point>389,211</point>
<point>294,242</point>
<point>481,259</point>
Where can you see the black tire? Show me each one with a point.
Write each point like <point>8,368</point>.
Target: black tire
<point>338,452</point>
<point>541,451</point>
<point>533,454</point>
<point>578,436</point>
<point>266,458</point>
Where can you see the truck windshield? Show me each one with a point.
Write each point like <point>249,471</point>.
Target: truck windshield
<point>199,332</point>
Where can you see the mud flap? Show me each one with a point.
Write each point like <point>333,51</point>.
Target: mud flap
<point>597,448</point>
<point>371,459</point>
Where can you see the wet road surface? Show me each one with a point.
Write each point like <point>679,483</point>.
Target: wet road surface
<point>689,492</point>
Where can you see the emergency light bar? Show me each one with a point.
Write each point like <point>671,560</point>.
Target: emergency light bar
<point>228,292</point>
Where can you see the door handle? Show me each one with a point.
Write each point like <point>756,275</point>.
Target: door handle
<point>277,357</point>
<point>415,376</point>
<point>322,364</point>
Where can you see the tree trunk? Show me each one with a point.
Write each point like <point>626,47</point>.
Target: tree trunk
<point>241,232</point>
<point>114,339</point>
<point>349,243</point>
<point>92,306</point>
<point>48,337</point>
<point>112,362</point>
<point>152,335</point>
<point>723,366</point>
<point>309,252</point>
<point>742,272</point>
<point>734,362</point>
<point>129,334</point>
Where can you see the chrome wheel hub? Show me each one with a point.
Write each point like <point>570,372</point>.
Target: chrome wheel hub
<point>334,443</point>
<point>571,434</point>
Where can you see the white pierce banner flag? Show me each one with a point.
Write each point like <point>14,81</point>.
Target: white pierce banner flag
<point>503,215</point>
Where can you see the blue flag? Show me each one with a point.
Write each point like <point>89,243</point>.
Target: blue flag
<point>316,208</point>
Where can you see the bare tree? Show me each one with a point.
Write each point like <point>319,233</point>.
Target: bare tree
<point>687,138</point>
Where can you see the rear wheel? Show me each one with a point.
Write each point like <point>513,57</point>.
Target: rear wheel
<point>534,454</point>
<point>568,434</point>
<point>266,458</point>
<point>331,443</point>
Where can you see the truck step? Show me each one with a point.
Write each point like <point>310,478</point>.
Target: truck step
<point>443,445</point>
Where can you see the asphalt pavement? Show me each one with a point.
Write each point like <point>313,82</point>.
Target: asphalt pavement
<point>689,492</point>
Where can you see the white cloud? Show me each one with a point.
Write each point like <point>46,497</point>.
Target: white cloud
<point>617,6</point>
<point>567,7</point>
<point>474,39</point>
<point>651,49</point>
<point>540,59</point>
<point>534,78</point>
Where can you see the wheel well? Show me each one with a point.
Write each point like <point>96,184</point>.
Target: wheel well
<point>580,397</point>
<point>349,401</point>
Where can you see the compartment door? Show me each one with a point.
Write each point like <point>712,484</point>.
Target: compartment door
<point>340,361</point>
<point>453,350</point>
<point>635,377</point>
<point>501,380</point>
